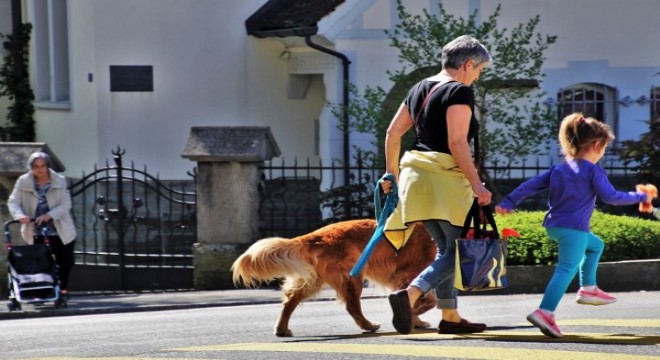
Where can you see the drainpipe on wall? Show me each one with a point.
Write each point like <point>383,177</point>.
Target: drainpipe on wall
<point>345,63</point>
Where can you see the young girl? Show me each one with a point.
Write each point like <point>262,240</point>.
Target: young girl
<point>573,187</point>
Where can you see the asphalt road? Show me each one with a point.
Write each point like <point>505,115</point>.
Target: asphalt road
<point>626,330</point>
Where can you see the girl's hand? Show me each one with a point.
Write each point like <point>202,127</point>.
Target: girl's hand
<point>502,211</point>
<point>651,192</point>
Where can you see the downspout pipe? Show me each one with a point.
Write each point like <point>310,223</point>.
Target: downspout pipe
<point>345,63</point>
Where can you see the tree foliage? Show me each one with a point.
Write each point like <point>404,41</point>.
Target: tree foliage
<point>15,84</point>
<point>514,123</point>
<point>645,152</point>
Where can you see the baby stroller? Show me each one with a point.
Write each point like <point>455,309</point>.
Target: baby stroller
<point>32,273</point>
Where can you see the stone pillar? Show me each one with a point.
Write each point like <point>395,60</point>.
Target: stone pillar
<point>228,175</point>
<point>13,161</point>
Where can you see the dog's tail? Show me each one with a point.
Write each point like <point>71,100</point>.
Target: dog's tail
<point>270,259</point>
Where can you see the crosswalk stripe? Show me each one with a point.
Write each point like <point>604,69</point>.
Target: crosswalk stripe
<point>483,353</point>
<point>537,336</point>
<point>612,322</point>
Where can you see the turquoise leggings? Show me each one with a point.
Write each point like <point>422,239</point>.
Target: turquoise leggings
<point>577,250</point>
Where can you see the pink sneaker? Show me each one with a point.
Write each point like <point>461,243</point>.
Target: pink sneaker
<point>595,297</point>
<point>545,322</point>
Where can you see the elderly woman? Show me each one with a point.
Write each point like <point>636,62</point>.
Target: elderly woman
<point>438,179</point>
<point>43,195</point>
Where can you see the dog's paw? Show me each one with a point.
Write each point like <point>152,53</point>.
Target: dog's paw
<point>420,324</point>
<point>372,327</point>
<point>285,333</point>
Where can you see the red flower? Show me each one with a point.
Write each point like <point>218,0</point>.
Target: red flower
<point>508,232</point>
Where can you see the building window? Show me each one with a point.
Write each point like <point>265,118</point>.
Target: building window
<point>591,99</point>
<point>655,103</point>
<point>51,53</point>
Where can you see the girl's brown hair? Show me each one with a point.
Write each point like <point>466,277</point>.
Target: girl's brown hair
<point>577,134</point>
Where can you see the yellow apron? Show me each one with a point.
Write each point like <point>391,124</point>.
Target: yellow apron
<point>431,187</point>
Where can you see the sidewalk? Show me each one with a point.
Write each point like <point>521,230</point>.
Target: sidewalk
<point>613,277</point>
<point>85,304</point>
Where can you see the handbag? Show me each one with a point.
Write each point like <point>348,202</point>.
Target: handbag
<point>480,253</point>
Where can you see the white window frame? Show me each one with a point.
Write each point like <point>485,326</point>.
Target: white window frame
<point>605,108</point>
<point>655,103</point>
<point>51,54</point>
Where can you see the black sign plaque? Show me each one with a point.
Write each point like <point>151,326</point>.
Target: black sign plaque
<point>131,78</point>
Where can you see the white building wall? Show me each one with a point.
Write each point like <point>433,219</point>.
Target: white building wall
<point>272,102</point>
<point>72,133</point>
<point>598,41</point>
<point>197,50</point>
<point>208,72</point>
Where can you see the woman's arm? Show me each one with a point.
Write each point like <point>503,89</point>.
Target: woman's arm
<point>458,125</point>
<point>60,201</point>
<point>399,125</point>
<point>15,206</point>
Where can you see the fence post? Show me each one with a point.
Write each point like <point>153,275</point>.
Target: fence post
<point>228,174</point>
<point>121,213</point>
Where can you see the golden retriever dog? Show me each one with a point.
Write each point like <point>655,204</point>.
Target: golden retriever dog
<point>325,257</point>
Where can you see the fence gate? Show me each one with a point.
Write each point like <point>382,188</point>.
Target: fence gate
<point>135,232</point>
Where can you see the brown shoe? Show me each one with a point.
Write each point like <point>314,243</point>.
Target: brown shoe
<point>462,327</point>
<point>400,304</point>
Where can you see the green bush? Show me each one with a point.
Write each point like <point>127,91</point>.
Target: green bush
<point>625,237</point>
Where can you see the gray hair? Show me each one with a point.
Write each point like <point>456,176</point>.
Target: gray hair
<point>38,155</point>
<point>462,49</point>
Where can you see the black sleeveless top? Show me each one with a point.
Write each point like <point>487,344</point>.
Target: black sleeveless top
<point>431,122</point>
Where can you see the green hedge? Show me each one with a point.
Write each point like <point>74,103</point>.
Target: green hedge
<point>625,237</point>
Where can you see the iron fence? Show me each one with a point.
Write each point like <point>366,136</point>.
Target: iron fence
<point>299,198</point>
<point>128,219</point>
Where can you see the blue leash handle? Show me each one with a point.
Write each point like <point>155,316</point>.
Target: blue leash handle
<point>382,213</point>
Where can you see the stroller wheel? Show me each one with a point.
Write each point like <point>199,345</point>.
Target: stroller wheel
<point>14,305</point>
<point>61,303</point>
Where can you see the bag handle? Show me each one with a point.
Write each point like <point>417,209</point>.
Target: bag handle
<point>476,213</point>
<point>426,100</point>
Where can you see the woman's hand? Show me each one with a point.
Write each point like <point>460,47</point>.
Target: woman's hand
<point>43,219</point>
<point>482,194</point>
<point>386,185</point>
<point>24,220</point>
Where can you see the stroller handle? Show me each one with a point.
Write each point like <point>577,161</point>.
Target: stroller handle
<point>7,232</point>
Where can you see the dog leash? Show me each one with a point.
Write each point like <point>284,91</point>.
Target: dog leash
<point>382,213</point>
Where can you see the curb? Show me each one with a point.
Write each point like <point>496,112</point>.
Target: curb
<point>619,276</point>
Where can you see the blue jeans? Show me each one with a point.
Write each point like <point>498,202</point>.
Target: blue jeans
<point>578,250</point>
<point>440,273</point>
